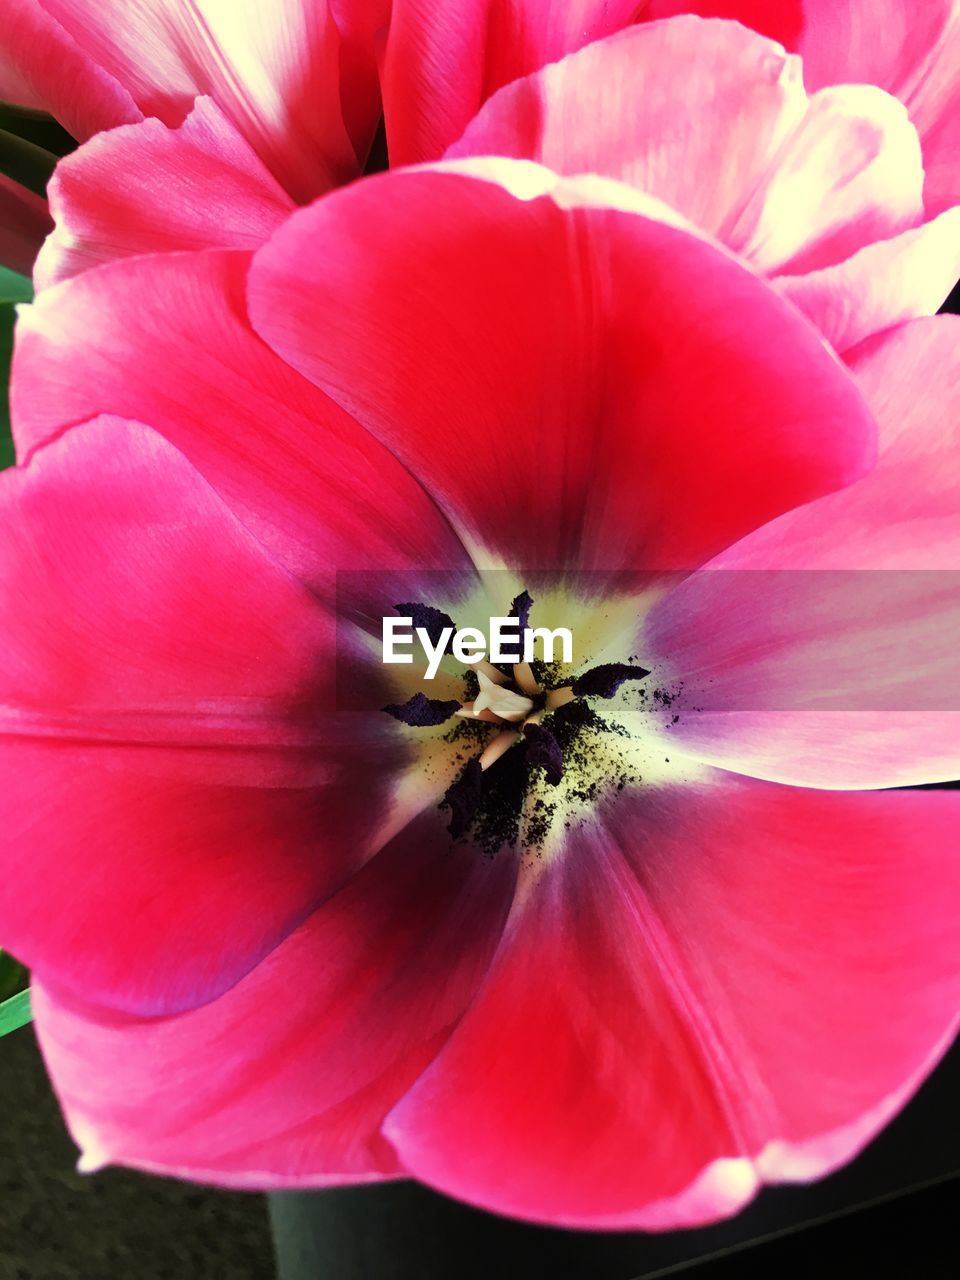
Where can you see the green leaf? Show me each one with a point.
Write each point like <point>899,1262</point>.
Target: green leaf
<point>13,289</point>
<point>15,1013</point>
<point>36,127</point>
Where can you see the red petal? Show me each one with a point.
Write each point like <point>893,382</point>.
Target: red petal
<point>720,981</point>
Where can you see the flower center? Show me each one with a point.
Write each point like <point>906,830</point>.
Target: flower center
<point>533,748</point>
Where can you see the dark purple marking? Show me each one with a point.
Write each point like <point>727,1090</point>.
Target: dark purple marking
<point>463,798</point>
<point>604,681</point>
<point>421,712</point>
<point>543,751</point>
<point>520,609</point>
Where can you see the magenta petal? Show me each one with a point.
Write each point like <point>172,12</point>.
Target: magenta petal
<point>150,189</point>
<point>285,1079</point>
<point>444,57</point>
<point>718,984</point>
<point>167,730</point>
<point>491,338</point>
<point>795,182</point>
<point>316,489</point>
<point>272,68</point>
<point>43,66</point>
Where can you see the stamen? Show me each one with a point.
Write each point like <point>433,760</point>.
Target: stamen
<point>422,712</point>
<point>503,702</point>
<point>497,747</point>
<point>605,681</point>
<point>524,678</point>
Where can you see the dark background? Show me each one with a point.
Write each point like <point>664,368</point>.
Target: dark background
<point>892,1213</point>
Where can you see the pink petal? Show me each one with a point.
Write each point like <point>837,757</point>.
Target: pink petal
<point>272,68</point>
<point>851,173</point>
<point>781,20</point>
<point>443,58</point>
<point>316,489</point>
<point>24,221</point>
<point>167,696</point>
<point>793,180</point>
<point>285,1079</point>
<point>818,677</point>
<point>495,343</point>
<point>908,49</point>
<point>718,983</point>
<point>362,25</point>
<point>882,285</point>
<point>42,66</point>
<point>150,189</point>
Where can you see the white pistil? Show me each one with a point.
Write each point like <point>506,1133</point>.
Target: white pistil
<point>469,712</point>
<point>497,747</point>
<point>502,702</point>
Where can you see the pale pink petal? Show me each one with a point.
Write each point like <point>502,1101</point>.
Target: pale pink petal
<point>716,983</point>
<point>795,183</point>
<point>321,493</point>
<point>147,188</point>
<point>274,69</point>
<point>815,676</point>
<point>851,173</point>
<point>619,108</point>
<point>443,58</point>
<point>493,340</point>
<point>42,66</point>
<point>882,285</point>
<point>907,48</point>
<point>167,700</point>
<point>285,1079</point>
<point>24,221</point>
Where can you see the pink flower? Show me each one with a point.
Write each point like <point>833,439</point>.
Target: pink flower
<point>294,82</point>
<point>686,942</point>
<point>822,193</point>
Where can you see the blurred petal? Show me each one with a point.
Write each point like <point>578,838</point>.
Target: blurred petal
<point>285,1079</point>
<point>492,339</point>
<point>24,221</point>
<point>166,698</point>
<point>818,677</point>
<point>713,984</point>
<point>42,66</point>
<point>443,58</point>
<point>150,189</point>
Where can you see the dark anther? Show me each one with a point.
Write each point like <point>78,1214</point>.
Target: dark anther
<point>463,798</point>
<point>432,620</point>
<point>604,681</point>
<point>520,609</point>
<point>543,751</point>
<point>421,712</point>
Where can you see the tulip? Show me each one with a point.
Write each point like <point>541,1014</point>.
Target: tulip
<point>643,935</point>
